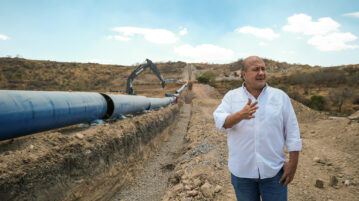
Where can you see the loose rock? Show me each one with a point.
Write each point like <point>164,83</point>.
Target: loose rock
<point>197,182</point>
<point>79,136</point>
<point>333,181</point>
<point>187,187</point>
<point>319,183</point>
<point>186,181</point>
<point>316,159</point>
<point>218,189</point>
<point>192,193</point>
<point>207,190</point>
<point>176,190</point>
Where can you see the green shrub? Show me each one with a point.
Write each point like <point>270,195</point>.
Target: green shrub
<point>213,84</point>
<point>18,75</point>
<point>203,80</point>
<point>207,77</point>
<point>317,102</point>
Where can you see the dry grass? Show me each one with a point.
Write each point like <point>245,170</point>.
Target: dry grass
<point>23,74</point>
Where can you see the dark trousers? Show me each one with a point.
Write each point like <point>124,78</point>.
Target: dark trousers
<point>252,189</point>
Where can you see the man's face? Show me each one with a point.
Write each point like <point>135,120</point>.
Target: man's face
<point>255,74</point>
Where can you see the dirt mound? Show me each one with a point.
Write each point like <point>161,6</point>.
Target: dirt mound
<point>306,114</point>
<point>354,116</point>
<point>71,164</point>
<point>201,172</point>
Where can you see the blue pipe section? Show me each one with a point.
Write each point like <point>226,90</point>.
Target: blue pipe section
<point>26,112</point>
<point>126,104</point>
<point>157,103</point>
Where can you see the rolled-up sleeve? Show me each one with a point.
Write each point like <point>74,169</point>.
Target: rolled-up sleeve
<point>291,128</point>
<point>222,111</point>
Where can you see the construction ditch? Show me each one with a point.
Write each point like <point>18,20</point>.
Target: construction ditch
<point>74,163</point>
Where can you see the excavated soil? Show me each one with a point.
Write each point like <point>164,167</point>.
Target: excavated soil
<point>151,183</point>
<point>81,164</point>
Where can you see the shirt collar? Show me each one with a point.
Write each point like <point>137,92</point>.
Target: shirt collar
<point>249,94</point>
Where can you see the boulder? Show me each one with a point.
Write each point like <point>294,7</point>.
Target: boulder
<point>207,190</point>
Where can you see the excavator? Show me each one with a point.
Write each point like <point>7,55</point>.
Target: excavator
<point>138,71</point>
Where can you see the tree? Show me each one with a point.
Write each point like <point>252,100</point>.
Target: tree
<point>338,97</point>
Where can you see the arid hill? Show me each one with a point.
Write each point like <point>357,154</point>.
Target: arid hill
<point>24,74</point>
<point>334,89</point>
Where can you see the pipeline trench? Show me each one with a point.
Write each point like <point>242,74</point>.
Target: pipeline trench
<point>165,154</point>
<point>91,163</point>
<point>151,183</point>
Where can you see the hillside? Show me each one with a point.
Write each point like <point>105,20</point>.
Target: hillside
<point>233,69</point>
<point>334,89</point>
<point>24,74</point>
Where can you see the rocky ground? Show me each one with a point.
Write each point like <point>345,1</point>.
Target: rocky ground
<point>330,156</point>
<point>150,183</point>
<point>201,173</point>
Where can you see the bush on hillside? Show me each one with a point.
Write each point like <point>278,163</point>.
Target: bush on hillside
<point>203,80</point>
<point>317,102</point>
<point>207,77</point>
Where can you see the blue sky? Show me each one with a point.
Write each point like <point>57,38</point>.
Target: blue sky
<point>319,32</point>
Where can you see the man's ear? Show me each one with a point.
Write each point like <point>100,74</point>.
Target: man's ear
<point>242,75</point>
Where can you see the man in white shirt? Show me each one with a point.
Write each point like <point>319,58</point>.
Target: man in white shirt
<point>260,121</point>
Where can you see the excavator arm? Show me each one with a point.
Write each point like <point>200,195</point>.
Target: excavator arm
<point>138,71</point>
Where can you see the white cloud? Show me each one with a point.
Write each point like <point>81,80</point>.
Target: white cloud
<point>118,37</point>
<point>262,44</point>
<point>183,31</point>
<point>302,23</point>
<point>4,37</point>
<point>325,33</point>
<point>333,41</point>
<point>299,37</point>
<point>159,36</point>
<point>204,53</point>
<point>356,14</point>
<point>265,33</point>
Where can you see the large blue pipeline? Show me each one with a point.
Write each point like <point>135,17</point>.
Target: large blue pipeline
<point>27,112</point>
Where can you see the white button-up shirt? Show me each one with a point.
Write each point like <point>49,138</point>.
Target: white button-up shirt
<point>256,146</point>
